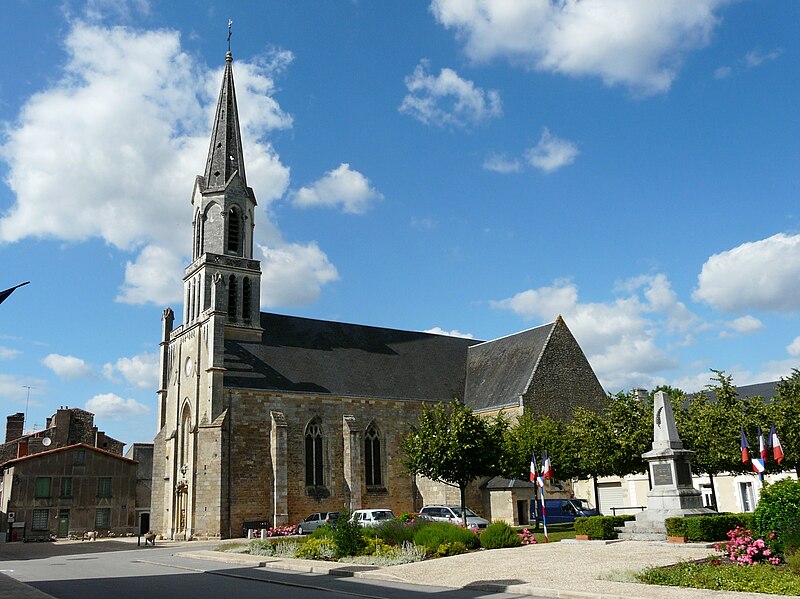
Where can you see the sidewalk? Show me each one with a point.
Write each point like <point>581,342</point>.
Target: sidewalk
<point>575,569</point>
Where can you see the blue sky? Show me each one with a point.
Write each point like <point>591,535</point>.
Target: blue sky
<point>462,166</point>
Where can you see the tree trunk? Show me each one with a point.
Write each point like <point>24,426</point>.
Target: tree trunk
<point>649,479</point>
<point>596,494</point>
<point>463,488</point>
<point>713,492</point>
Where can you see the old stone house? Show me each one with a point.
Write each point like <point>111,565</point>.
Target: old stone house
<point>68,491</point>
<point>271,417</point>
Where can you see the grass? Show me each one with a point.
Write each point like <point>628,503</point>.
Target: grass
<point>757,578</point>
<point>556,532</point>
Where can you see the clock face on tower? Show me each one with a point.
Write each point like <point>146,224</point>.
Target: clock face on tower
<point>188,366</point>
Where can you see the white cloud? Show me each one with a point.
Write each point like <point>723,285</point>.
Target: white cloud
<point>502,164</point>
<point>793,349</point>
<point>15,389</point>
<point>343,187</point>
<point>109,405</point>
<point>551,153</point>
<point>620,337</point>
<point>7,353</point>
<point>68,368</point>
<point>141,370</point>
<point>293,274</point>
<point>453,333</point>
<point>745,325</point>
<point>127,124</point>
<point>756,58</point>
<point>639,44</point>
<point>722,72</point>
<point>446,99</point>
<point>759,275</point>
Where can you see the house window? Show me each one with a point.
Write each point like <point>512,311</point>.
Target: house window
<point>80,457</point>
<point>746,493</point>
<point>66,486</point>
<point>314,455</point>
<point>104,487</point>
<point>41,519</point>
<point>372,456</point>
<point>102,517</point>
<point>232,298</point>
<point>43,486</point>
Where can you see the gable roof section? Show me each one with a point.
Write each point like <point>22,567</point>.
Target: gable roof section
<point>305,355</point>
<point>43,454</point>
<point>764,390</point>
<point>499,371</point>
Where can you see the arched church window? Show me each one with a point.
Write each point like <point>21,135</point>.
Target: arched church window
<point>197,235</point>
<point>185,436</point>
<point>314,463</point>
<point>232,297</point>
<point>246,299</point>
<point>234,231</point>
<point>372,456</point>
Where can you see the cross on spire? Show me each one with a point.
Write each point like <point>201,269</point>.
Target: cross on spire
<point>230,33</point>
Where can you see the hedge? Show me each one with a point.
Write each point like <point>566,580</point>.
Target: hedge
<point>706,528</point>
<point>600,527</point>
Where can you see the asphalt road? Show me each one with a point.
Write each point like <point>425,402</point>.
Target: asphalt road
<point>120,570</point>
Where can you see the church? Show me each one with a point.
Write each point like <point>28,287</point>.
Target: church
<point>269,417</point>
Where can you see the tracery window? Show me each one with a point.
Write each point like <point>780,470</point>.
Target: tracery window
<point>246,299</point>
<point>234,231</point>
<point>314,461</point>
<point>232,298</point>
<point>372,456</point>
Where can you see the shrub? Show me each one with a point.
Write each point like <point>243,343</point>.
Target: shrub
<point>676,527</point>
<point>498,535</point>
<point>316,549</point>
<point>706,528</point>
<point>778,511</point>
<point>755,579</point>
<point>392,556</point>
<point>347,536</point>
<point>433,534</point>
<point>397,531</point>
<point>745,550</point>
<point>406,517</point>
<point>600,527</point>
<point>451,548</point>
<point>322,532</point>
<point>285,548</point>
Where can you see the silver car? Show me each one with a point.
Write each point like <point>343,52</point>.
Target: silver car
<point>452,513</point>
<point>314,521</point>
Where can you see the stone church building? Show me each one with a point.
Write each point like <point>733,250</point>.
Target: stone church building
<point>270,417</point>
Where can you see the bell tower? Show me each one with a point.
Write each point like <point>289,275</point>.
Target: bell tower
<point>223,275</point>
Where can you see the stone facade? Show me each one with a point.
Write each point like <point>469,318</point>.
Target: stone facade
<point>269,417</point>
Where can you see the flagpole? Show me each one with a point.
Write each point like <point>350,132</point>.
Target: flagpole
<point>544,514</point>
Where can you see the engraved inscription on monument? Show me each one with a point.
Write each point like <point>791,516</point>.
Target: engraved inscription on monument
<point>683,474</point>
<point>662,474</point>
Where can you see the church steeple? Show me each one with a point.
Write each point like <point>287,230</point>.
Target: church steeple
<point>225,155</point>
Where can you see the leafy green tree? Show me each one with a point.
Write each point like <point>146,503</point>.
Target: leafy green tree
<point>786,415</point>
<point>537,434</point>
<point>592,440</point>
<point>630,423</point>
<point>453,445</point>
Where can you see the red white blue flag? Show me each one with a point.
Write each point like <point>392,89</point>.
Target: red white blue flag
<point>762,447</point>
<point>534,468</point>
<point>745,448</point>
<point>775,443</point>
<point>547,467</point>
<point>758,466</point>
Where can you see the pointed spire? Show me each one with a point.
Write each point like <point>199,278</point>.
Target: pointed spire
<point>225,155</point>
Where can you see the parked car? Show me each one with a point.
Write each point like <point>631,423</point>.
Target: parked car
<point>314,521</point>
<point>371,517</point>
<point>452,513</point>
<point>563,510</point>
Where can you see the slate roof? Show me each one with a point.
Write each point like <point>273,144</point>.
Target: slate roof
<point>499,371</point>
<point>319,356</point>
<point>763,390</point>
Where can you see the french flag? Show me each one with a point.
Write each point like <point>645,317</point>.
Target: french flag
<point>534,468</point>
<point>762,447</point>
<point>775,443</point>
<point>547,467</point>
<point>758,466</point>
<point>745,448</point>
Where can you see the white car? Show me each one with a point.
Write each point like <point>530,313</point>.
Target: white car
<point>371,517</point>
<point>452,513</point>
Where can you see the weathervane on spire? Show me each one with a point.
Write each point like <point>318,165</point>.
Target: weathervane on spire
<point>230,24</point>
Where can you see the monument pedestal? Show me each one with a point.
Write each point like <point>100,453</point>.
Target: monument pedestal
<point>672,494</point>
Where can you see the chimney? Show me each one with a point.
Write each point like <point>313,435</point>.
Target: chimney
<point>100,440</point>
<point>640,394</point>
<point>14,426</point>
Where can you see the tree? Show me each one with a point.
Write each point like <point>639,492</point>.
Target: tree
<point>536,434</point>
<point>454,446</point>
<point>786,414</point>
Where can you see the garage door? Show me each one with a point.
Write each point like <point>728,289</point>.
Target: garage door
<point>610,495</point>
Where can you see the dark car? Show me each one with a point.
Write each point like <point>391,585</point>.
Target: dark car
<point>563,510</point>
<point>315,520</point>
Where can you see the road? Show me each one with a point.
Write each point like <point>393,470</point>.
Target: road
<point>121,570</point>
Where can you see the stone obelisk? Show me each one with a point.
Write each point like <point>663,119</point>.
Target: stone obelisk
<point>672,495</point>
